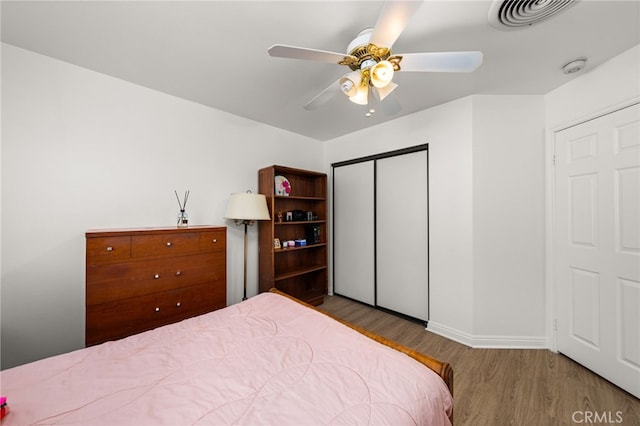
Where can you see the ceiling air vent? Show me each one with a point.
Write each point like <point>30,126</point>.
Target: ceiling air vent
<point>515,14</point>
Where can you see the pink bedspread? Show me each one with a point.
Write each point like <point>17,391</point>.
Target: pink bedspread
<point>265,361</point>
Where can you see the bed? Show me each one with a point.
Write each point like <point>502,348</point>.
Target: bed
<point>268,360</point>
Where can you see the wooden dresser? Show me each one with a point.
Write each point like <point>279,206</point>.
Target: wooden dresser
<point>140,279</point>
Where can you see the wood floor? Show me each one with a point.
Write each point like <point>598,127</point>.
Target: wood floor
<point>505,386</point>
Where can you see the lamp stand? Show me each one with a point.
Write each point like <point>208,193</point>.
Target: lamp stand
<point>246,243</point>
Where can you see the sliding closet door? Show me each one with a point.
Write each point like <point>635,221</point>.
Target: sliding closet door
<point>353,238</point>
<point>402,234</point>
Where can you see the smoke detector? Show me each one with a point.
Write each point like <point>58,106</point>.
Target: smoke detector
<point>516,14</point>
<point>574,66</point>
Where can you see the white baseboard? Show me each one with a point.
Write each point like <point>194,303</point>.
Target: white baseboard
<point>488,342</point>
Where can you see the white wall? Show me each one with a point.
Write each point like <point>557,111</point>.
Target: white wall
<point>508,220</point>
<point>486,213</point>
<point>82,150</point>
<point>447,129</point>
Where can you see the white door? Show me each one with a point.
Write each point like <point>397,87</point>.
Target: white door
<point>402,240</point>
<point>597,241</point>
<point>353,236</point>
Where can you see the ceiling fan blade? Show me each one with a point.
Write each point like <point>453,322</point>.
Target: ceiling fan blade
<point>441,61</point>
<point>292,52</point>
<point>390,105</point>
<point>383,92</point>
<point>323,97</point>
<point>392,20</point>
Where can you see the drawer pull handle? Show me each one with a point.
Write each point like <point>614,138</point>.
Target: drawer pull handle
<point>157,309</point>
<point>109,248</point>
<point>156,276</point>
<point>169,244</point>
<point>178,273</point>
<point>214,240</point>
<point>178,304</point>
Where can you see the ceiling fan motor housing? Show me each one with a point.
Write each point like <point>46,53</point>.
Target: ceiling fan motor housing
<point>366,54</point>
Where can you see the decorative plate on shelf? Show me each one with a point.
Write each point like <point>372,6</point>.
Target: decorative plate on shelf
<point>283,187</point>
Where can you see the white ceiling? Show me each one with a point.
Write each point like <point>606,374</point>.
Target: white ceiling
<point>215,52</point>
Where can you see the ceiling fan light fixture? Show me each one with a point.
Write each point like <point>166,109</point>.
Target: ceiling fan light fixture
<point>350,82</point>
<point>347,87</point>
<point>360,97</point>
<point>381,74</point>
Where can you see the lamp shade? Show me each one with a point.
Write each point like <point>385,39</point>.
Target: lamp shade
<point>381,74</point>
<point>360,97</point>
<point>247,206</point>
<point>349,83</point>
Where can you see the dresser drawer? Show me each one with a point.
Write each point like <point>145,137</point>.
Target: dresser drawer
<point>104,249</point>
<point>123,280</point>
<point>114,320</point>
<point>164,244</point>
<point>215,241</point>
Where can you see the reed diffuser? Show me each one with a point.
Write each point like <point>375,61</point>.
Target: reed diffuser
<point>183,219</point>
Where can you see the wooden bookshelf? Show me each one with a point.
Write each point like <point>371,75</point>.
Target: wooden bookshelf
<point>300,271</point>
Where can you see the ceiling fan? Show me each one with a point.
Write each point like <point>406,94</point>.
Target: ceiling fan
<point>372,63</point>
